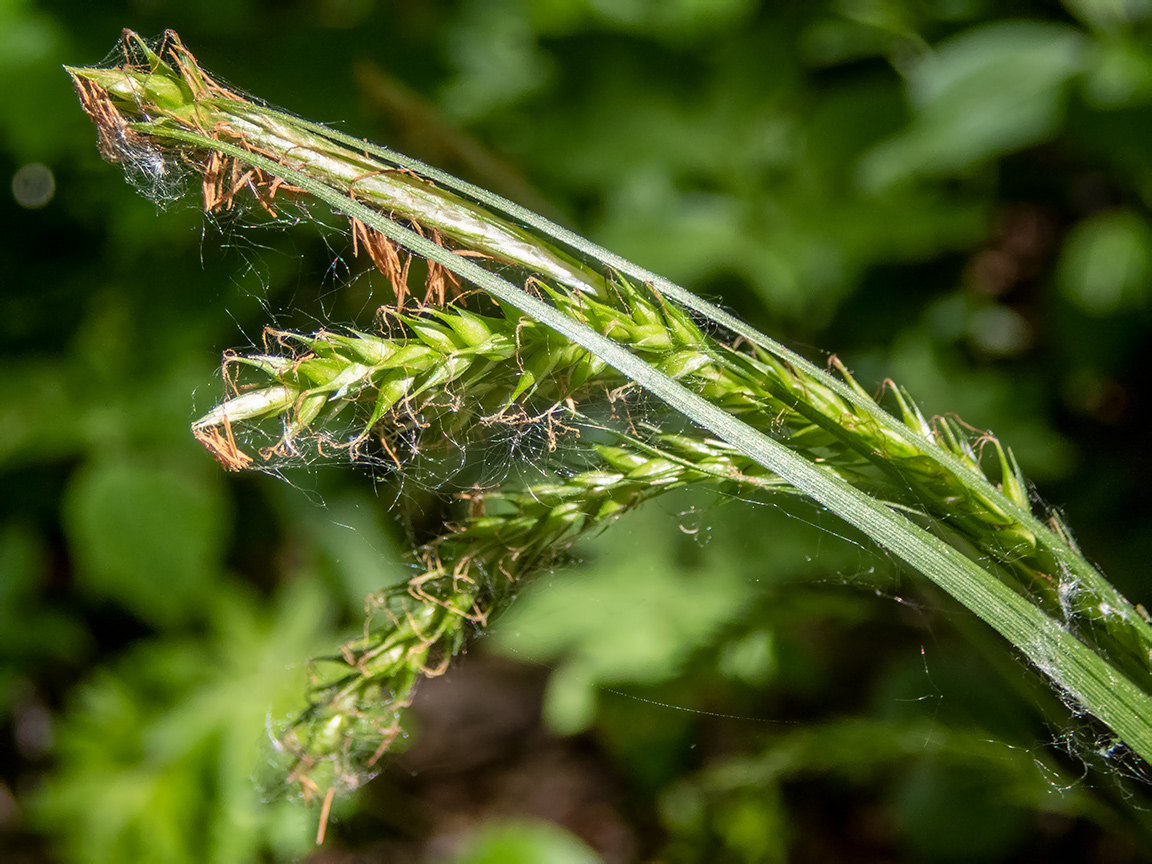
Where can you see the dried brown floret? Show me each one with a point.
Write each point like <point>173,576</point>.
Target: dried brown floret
<point>222,446</point>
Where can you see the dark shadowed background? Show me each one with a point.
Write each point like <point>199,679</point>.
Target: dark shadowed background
<point>951,193</point>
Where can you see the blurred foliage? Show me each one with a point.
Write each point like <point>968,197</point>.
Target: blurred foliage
<point>953,193</point>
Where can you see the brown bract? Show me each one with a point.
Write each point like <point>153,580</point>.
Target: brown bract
<point>225,176</point>
<point>394,263</point>
<point>222,446</point>
<point>384,255</point>
<point>116,138</point>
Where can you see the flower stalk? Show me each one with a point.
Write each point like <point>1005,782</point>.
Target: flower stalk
<point>466,576</point>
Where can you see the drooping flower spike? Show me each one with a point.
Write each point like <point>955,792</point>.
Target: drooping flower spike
<point>574,323</point>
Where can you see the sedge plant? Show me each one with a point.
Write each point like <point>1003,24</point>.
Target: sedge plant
<point>524,325</point>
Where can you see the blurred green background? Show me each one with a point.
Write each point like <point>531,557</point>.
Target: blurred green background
<point>952,193</point>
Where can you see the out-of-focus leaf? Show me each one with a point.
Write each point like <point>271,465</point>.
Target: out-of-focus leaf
<point>831,41</point>
<point>627,619</point>
<point>33,634</point>
<point>989,91</point>
<point>31,120</point>
<point>38,410</point>
<point>750,828</point>
<point>348,533</point>
<point>525,843</point>
<point>157,756</point>
<point>148,537</point>
<point>1106,264</point>
<point>981,772</point>
<point>679,20</point>
<point>1120,73</point>
<point>943,809</point>
<point>1108,14</point>
<point>494,49</point>
<point>1000,331</point>
<point>751,658</point>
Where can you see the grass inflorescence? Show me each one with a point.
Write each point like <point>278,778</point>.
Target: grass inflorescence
<point>544,352</point>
